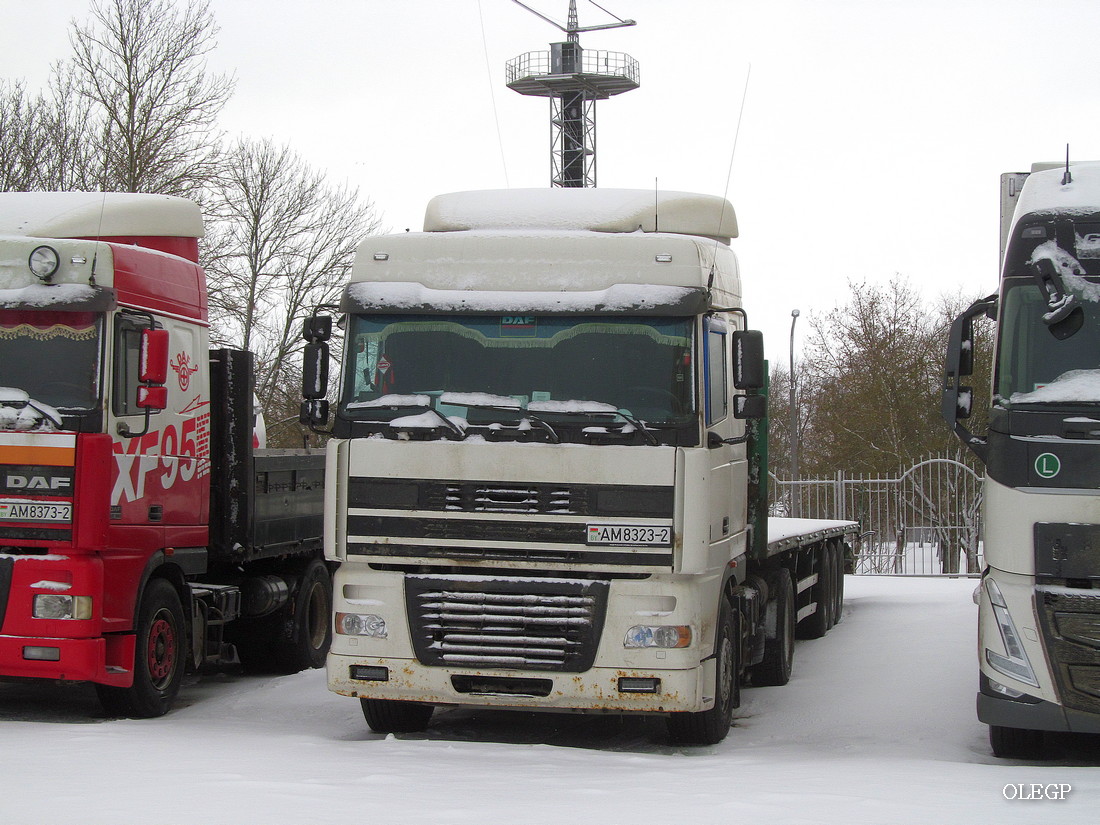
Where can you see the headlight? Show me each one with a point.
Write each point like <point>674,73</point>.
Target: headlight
<point>361,624</point>
<point>658,636</point>
<point>43,262</point>
<point>1016,663</point>
<point>56,606</point>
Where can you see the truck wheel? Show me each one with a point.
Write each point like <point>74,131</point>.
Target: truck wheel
<point>158,657</point>
<point>775,667</point>
<point>709,727</point>
<point>838,584</point>
<point>392,716</point>
<point>818,623</point>
<point>1015,743</point>
<point>307,628</point>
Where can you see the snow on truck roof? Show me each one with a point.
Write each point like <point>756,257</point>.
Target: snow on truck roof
<point>1043,190</point>
<point>597,210</point>
<point>98,215</point>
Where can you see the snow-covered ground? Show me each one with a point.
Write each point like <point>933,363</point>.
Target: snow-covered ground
<point>877,726</point>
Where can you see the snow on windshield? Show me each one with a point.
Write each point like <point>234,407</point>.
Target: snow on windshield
<point>1069,268</point>
<point>1075,385</point>
<point>19,412</point>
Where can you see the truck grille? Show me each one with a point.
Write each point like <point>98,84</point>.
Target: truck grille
<point>501,622</point>
<point>499,498</point>
<point>1070,620</point>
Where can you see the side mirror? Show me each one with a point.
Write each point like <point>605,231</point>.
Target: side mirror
<point>966,348</point>
<point>314,371</point>
<point>152,398</point>
<point>317,329</point>
<point>313,413</point>
<point>748,359</point>
<point>751,407</point>
<point>956,401</point>
<point>153,356</point>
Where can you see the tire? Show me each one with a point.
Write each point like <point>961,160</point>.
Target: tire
<point>818,623</point>
<point>838,585</point>
<point>709,727</point>
<point>307,623</point>
<point>159,657</point>
<point>391,716</point>
<point>775,668</point>
<point>1015,743</point>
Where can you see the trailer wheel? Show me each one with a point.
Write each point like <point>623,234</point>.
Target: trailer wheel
<point>818,623</point>
<point>775,668</point>
<point>1015,743</point>
<point>159,657</point>
<point>838,584</point>
<point>307,627</point>
<point>709,727</point>
<point>392,716</point>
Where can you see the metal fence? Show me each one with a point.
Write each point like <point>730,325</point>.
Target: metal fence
<point>926,521</point>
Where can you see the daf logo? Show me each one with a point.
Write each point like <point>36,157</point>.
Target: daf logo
<point>15,482</point>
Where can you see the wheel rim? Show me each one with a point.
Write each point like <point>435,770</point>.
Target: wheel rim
<point>161,651</point>
<point>725,673</point>
<point>317,616</point>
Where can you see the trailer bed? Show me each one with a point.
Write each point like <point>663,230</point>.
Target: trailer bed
<point>789,533</point>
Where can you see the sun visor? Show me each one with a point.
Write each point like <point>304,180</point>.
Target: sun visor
<point>59,298</point>
<point>402,298</point>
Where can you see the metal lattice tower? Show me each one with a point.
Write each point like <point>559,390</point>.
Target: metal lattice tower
<point>573,79</point>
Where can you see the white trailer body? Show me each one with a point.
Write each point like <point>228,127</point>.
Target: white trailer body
<point>542,492</point>
<point>1039,604</point>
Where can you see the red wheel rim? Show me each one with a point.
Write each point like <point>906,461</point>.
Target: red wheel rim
<point>161,653</point>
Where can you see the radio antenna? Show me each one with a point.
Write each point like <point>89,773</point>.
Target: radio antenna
<point>1067,177</point>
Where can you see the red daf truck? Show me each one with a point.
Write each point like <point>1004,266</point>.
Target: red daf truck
<point>141,532</point>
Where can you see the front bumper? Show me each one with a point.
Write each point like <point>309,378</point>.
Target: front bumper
<point>1040,715</point>
<point>597,689</point>
<point>105,660</point>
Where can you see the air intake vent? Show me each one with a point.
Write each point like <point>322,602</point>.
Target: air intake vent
<point>499,498</point>
<point>506,623</point>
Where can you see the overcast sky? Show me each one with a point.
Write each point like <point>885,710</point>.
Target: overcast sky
<point>873,134</point>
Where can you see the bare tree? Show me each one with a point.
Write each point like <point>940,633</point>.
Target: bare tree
<point>140,65</point>
<point>280,243</point>
<point>22,148</point>
<point>875,364</point>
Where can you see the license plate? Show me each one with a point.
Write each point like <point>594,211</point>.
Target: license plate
<point>35,511</point>
<point>628,534</point>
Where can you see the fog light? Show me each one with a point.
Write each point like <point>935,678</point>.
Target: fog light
<point>42,654</point>
<point>658,636</point>
<point>57,606</point>
<point>367,673</point>
<point>635,684</point>
<point>361,624</point>
<point>43,262</point>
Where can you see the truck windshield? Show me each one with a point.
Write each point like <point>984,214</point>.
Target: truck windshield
<point>480,367</point>
<point>1033,366</point>
<point>51,356</point>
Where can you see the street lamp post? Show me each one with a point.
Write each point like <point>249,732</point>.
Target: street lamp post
<point>796,497</point>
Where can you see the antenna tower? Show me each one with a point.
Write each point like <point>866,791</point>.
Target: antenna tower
<point>573,79</point>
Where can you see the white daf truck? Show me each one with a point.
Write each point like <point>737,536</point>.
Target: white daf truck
<point>547,482</point>
<point>1039,603</point>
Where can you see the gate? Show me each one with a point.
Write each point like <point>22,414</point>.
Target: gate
<point>924,522</point>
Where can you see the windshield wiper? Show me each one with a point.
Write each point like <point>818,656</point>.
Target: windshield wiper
<point>597,409</point>
<point>448,423</point>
